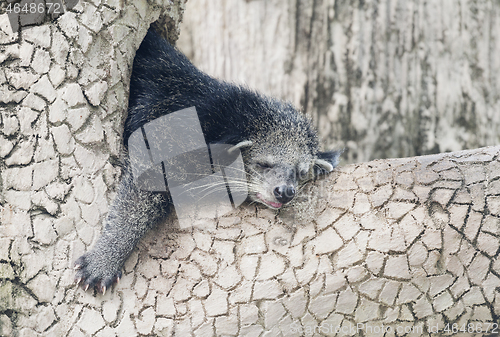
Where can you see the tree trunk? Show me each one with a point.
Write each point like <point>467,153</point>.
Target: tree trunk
<point>404,243</point>
<point>381,78</point>
<point>63,99</point>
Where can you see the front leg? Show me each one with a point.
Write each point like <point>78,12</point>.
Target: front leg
<point>131,215</point>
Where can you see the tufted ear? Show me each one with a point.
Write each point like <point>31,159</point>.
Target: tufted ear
<point>326,162</point>
<point>240,145</point>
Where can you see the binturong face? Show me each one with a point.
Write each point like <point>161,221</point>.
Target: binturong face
<point>278,167</point>
<point>276,184</point>
<point>276,174</point>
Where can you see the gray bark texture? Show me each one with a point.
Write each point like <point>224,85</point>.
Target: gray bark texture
<point>63,99</point>
<point>384,78</point>
<point>404,245</point>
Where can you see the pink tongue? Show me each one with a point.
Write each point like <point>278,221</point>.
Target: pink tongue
<point>273,204</point>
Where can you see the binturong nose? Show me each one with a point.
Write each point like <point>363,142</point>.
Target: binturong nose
<point>284,193</point>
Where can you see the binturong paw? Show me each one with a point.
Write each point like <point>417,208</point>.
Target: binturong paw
<point>92,272</point>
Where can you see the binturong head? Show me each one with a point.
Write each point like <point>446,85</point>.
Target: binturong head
<point>281,156</point>
<point>275,180</point>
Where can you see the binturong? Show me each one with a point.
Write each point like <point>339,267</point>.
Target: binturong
<point>279,148</point>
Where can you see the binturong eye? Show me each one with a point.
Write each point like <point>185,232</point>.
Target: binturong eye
<point>302,174</point>
<point>264,166</point>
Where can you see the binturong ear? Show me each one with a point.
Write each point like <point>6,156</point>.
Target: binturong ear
<point>240,145</point>
<point>326,162</point>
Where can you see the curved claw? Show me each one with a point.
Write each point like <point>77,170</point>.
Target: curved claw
<point>91,275</point>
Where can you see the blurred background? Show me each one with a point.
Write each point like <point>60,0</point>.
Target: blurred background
<point>382,78</point>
